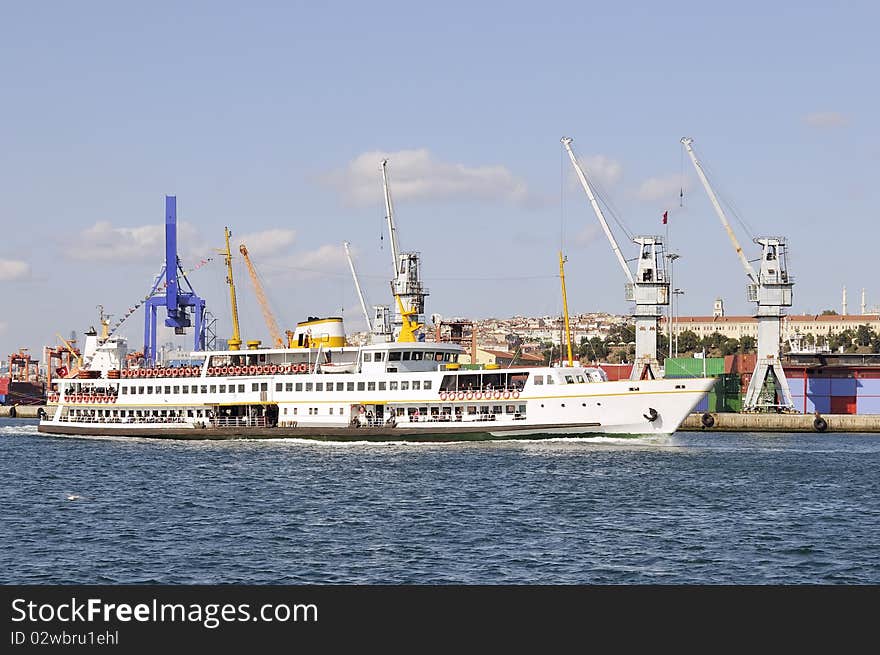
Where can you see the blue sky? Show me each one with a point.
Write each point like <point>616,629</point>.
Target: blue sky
<point>272,117</point>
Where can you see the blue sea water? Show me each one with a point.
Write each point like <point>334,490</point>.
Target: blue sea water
<point>707,508</point>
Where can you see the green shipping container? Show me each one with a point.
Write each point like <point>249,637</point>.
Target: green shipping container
<point>691,367</point>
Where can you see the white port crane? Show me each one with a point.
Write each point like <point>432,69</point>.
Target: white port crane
<point>378,326</point>
<point>771,288</point>
<point>406,287</point>
<point>649,288</point>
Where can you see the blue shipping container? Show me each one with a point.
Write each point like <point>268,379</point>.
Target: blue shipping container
<point>800,403</point>
<point>703,405</point>
<point>868,387</point>
<point>821,404</point>
<point>843,386</point>
<point>868,405</point>
<point>819,386</point>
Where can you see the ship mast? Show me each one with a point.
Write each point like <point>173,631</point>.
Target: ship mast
<point>562,261</point>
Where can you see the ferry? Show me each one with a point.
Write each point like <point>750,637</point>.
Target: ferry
<point>320,388</point>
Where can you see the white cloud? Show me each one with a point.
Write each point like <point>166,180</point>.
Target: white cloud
<point>826,119</point>
<point>415,174</point>
<point>103,242</point>
<point>267,242</point>
<point>601,169</point>
<point>665,187</point>
<point>325,260</point>
<point>13,269</point>
<point>588,235</point>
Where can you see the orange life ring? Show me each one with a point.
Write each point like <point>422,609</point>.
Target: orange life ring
<point>442,395</point>
<point>470,395</point>
<point>497,395</point>
<point>273,369</point>
<point>461,395</point>
<point>516,394</point>
<point>506,395</point>
<point>303,368</point>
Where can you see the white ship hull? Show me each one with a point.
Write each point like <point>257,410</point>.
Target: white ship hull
<point>372,404</point>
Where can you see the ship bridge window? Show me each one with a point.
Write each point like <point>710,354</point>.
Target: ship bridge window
<point>240,388</point>
<point>539,379</point>
<point>340,386</point>
<point>417,355</point>
<point>309,386</point>
<point>580,378</point>
<point>299,386</point>
<point>360,386</point>
<point>404,386</point>
<point>569,379</point>
<point>394,357</point>
<point>392,386</point>
<point>349,386</point>
<point>378,357</point>
<point>406,355</point>
<point>222,388</point>
<point>319,386</point>
<point>427,385</point>
<point>383,386</point>
<point>371,386</point>
<point>550,380</point>
<point>124,390</point>
<point>416,385</point>
<point>279,386</point>
<point>368,357</point>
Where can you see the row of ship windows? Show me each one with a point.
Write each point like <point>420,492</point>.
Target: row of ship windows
<point>407,355</point>
<point>404,385</point>
<point>424,411</point>
<point>141,413</point>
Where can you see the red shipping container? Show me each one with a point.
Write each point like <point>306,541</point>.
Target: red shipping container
<point>4,386</point>
<point>617,371</point>
<point>843,404</point>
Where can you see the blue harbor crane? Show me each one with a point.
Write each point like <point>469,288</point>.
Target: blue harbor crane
<point>173,291</point>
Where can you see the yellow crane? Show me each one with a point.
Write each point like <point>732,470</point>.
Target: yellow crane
<point>73,351</point>
<point>235,341</point>
<point>271,323</point>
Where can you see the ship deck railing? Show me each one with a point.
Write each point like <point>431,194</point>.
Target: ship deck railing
<point>239,422</point>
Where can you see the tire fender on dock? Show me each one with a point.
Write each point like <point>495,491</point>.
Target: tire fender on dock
<point>707,420</point>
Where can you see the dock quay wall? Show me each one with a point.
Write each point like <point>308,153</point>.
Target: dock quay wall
<point>730,422</point>
<point>21,411</point>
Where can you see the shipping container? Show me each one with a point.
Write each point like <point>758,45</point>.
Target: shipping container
<point>800,403</point>
<point>703,405</point>
<point>818,386</point>
<point>795,373</point>
<point>868,387</point>
<point>868,404</point>
<point>617,371</point>
<point>690,367</point>
<point>843,404</point>
<point>821,404</point>
<point>843,387</point>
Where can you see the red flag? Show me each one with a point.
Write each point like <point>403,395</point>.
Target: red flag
<point>665,217</point>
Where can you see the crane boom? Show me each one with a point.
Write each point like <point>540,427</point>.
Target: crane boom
<point>271,323</point>
<point>235,342</point>
<point>357,286</point>
<point>750,272</point>
<point>566,141</point>
<point>389,216</point>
